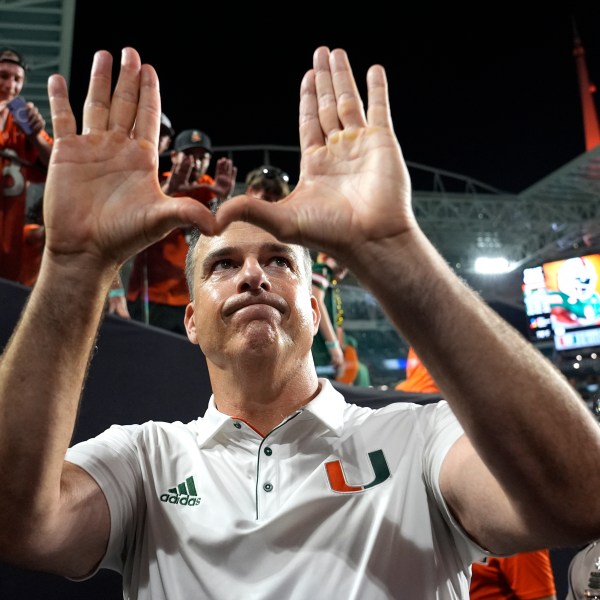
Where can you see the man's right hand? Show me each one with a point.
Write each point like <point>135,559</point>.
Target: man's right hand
<point>354,190</point>
<point>103,202</point>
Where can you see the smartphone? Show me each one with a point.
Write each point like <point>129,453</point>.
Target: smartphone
<point>18,108</point>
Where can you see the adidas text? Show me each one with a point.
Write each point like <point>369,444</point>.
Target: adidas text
<point>183,500</point>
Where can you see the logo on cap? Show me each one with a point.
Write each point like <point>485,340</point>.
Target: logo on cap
<point>192,138</point>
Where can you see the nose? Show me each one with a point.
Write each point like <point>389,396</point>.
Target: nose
<point>252,277</point>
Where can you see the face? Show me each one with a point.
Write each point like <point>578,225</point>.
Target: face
<point>251,298</point>
<point>164,140</point>
<point>577,278</point>
<point>259,191</point>
<point>12,78</point>
<point>199,158</point>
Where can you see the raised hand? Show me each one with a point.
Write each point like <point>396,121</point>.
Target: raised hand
<point>224,181</point>
<point>354,186</point>
<point>102,199</point>
<point>225,175</point>
<point>34,118</point>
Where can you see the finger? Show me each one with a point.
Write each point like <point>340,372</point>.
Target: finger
<point>379,114</point>
<point>187,167</point>
<point>276,218</point>
<point>63,120</point>
<point>147,119</point>
<point>174,212</point>
<point>311,134</point>
<point>97,102</point>
<point>350,109</point>
<point>223,166</point>
<point>185,211</point>
<point>326,100</point>
<point>124,103</point>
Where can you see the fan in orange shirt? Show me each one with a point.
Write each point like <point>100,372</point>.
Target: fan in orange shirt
<point>34,238</point>
<point>523,576</point>
<point>418,378</point>
<point>24,154</point>
<point>157,289</point>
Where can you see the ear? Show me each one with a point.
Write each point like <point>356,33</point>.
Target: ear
<point>316,314</point>
<point>190,323</point>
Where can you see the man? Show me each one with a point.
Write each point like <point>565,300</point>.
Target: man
<point>24,154</point>
<point>267,182</point>
<point>157,291</point>
<point>282,490</point>
<point>332,347</point>
<point>166,134</point>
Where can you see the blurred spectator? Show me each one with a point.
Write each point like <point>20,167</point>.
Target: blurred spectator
<point>117,303</point>
<point>34,238</point>
<point>268,182</point>
<point>24,157</point>
<point>418,378</point>
<point>523,576</point>
<point>332,347</point>
<point>166,134</point>
<point>157,291</point>
<point>165,139</point>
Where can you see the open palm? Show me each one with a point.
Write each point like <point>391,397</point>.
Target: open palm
<point>103,200</point>
<point>354,186</point>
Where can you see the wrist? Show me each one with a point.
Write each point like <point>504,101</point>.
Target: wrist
<point>332,344</point>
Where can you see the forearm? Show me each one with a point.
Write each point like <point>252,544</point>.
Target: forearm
<point>42,372</point>
<point>524,419</point>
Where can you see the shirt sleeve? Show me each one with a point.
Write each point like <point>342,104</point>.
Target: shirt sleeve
<point>111,459</point>
<point>441,431</point>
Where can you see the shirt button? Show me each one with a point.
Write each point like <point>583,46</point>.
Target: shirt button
<point>268,451</point>
<point>237,424</point>
<point>268,487</point>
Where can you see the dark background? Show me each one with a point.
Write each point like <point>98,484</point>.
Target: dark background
<point>491,94</point>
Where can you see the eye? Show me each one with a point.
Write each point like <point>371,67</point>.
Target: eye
<point>223,265</point>
<point>281,261</point>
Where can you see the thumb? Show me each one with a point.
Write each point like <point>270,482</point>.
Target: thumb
<point>278,218</point>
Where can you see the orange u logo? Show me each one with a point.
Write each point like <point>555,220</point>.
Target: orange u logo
<point>337,479</point>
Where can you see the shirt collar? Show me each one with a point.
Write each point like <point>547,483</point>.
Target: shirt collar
<point>328,407</point>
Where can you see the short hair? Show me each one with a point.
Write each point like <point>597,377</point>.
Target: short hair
<point>190,261</point>
<point>273,181</point>
<point>12,56</point>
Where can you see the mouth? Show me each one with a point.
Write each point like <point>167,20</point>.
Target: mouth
<point>246,299</point>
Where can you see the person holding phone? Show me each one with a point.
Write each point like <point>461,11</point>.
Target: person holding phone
<point>25,148</point>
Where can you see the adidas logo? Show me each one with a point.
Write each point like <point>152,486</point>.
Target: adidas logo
<point>184,494</point>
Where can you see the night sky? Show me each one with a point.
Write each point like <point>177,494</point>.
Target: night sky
<point>490,96</point>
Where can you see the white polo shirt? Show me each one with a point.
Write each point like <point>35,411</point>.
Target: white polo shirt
<point>339,502</point>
